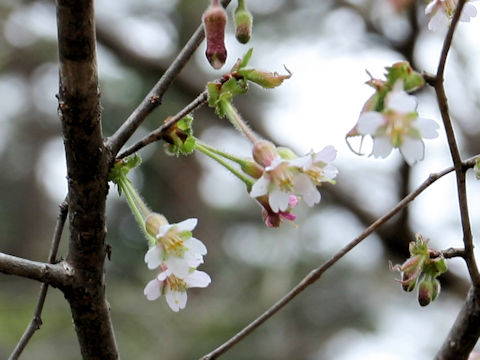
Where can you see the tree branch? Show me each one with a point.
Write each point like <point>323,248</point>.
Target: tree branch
<point>154,97</point>
<point>87,170</point>
<point>56,275</point>
<point>316,274</point>
<point>457,161</point>
<point>36,321</point>
<point>159,132</point>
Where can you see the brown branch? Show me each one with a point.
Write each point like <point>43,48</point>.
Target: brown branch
<point>158,133</point>
<point>154,97</point>
<point>316,274</point>
<point>36,321</point>
<point>87,169</point>
<point>52,274</point>
<point>465,332</point>
<point>452,143</point>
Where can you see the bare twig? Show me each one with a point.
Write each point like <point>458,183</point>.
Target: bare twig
<point>159,132</point>
<point>36,321</point>
<point>457,161</point>
<point>154,97</point>
<point>315,274</point>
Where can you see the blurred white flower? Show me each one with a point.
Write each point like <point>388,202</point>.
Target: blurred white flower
<point>441,13</point>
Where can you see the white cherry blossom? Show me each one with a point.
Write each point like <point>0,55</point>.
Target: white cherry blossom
<point>174,288</point>
<point>441,13</point>
<point>398,126</point>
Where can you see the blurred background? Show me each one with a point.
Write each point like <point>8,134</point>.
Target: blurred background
<point>357,310</point>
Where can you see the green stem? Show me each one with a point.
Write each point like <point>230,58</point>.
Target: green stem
<point>212,154</point>
<point>126,187</point>
<point>237,120</point>
<point>228,156</point>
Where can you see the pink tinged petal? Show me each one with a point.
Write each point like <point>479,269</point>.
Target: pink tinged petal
<point>178,266</point>
<point>176,299</point>
<point>195,245</point>
<point>153,290</point>
<point>369,122</point>
<point>401,102</point>
<point>427,127</point>
<point>153,257</point>
<point>260,187</point>
<point>288,216</point>
<point>327,154</point>
<point>198,279</point>
<point>412,150</point>
<point>382,147</point>
<point>187,225</point>
<point>278,200</point>
<point>164,274</point>
<point>292,201</point>
<point>304,186</point>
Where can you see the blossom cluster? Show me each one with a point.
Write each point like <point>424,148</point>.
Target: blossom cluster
<point>176,255</point>
<point>286,178</point>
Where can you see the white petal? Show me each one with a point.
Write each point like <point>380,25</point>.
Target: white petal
<point>195,245</point>
<point>153,290</point>
<point>439,21</point>
<point>430,7</point>
<point>178,266</point>
<point>304,187</point>
<point>369,122</point>
<point>260,187</point>
<point>162,230</point>
<point>176,299</point>
<point>278,200</point>
<point>303,162</point>
<point>382,146</point>
<point>401,102</point>
<point>193,259</point>
<point>153,257</point>
<point>187,225</point>
<point>198,279</point>
<point>468,12</point>
<point>412,150</point>
<point>329,172</point>
<point>327,154</point>
<point>427,127</point>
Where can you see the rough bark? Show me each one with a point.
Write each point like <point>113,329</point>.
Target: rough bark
<point>87,170</point>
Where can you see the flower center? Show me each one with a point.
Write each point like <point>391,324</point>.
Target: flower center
<point>173,243</point>
<point>176,284</point>
<point>282,177</point>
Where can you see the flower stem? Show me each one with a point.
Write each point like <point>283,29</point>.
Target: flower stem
<point>237,121</point>
<point>216,155</point>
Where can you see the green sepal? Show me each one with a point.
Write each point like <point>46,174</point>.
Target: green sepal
<point>180,137</point>
<point>121,168</point>
<point>402,70</point>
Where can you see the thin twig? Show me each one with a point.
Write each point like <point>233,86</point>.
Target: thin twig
<point>159,132</point>
<point>452,143</point>
<point>315,274</point>
<point>154,97</point>
<point>36,321</point>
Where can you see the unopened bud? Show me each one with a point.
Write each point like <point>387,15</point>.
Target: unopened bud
<point>214,21</point>
<point>153,223</point>
<point>264,152</point>
<point>243,23</point>
<point>425,291</point>
<point>252,168</point>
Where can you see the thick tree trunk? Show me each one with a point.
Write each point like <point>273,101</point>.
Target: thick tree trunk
<point>87,167</point>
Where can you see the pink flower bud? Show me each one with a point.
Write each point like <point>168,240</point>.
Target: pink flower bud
<point>425,291</point>
<point>264,152</point>
<point>214,21</point>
